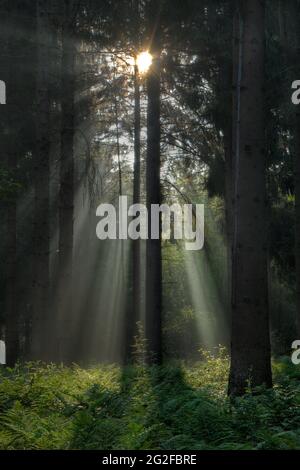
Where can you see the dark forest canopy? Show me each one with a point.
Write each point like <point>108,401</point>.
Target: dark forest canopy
<point>210,122</point>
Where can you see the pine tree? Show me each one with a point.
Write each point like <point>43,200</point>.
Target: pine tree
<point>66,193</point>
<point>41,244</point>
<point>153,249</point>
<point>250,344</point>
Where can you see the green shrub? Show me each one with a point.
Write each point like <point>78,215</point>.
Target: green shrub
<point>169,408</point>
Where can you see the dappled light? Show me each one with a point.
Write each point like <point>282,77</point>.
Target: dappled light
<point>150,226</point>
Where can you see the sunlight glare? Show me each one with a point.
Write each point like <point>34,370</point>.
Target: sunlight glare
<point>144,61</point>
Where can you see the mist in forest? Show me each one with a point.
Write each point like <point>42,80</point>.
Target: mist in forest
<point>163,104</point>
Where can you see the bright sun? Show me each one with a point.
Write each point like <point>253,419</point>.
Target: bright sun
<point>144,61</point>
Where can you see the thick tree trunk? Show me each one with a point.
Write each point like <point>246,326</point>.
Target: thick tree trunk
<point>42,187</point>
<point>226,96</point>
<point>250,348</point>
<point>295,33</point>
<point>288,19</point>
<point>297,218</point>
<point>9,150</point>
<point>228,206</point>
<point>11,310</point>
<point>66,193</point>
<point>153,251</point>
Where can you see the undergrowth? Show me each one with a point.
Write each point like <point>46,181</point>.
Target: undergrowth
<point>173,407</point>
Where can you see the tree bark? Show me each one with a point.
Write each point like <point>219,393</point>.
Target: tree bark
<point>42,187</point>
<point>137,190</point>
<point>295,38</point>
<point>288,20</point>
<point>226,87</point>
<point>10,150</point>
<point>297,218</point>
<point>250,345</point>
<point>11,310</point>
<point>134,315</point>
<point>66,193</point>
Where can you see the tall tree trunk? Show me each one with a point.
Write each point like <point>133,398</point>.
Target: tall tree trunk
<point>10,148</point>
<point>288,22</point>
<point>134,315</point>
<point>297,217</point>
<point>294,39</point>
<point>228,206</point>
<point>153,251</point>
<point>250,346</point>
<point>42,186</point>
<point>11,309</point>
<point>226,78</point>
<point>66,193</point>
<point>137,189</point>
<point>225,87</point>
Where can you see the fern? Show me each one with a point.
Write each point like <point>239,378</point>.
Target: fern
<point>171,407</point>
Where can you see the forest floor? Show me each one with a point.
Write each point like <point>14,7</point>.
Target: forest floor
<point>167,408</point>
